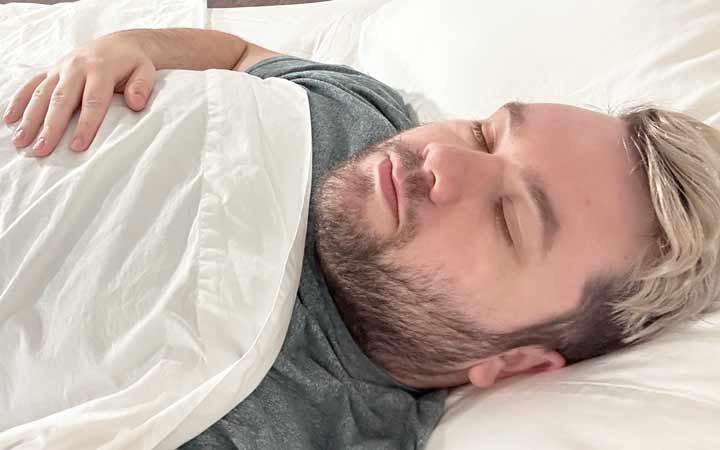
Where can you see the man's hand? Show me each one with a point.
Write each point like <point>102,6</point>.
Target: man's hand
<point>125,61</point>
<point>86,77</point>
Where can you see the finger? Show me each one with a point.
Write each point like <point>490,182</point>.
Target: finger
<point>34,115</point>
<point>63,101</point>
<point>21,98</point>
<point>95,102</point>
<point>139,86</point>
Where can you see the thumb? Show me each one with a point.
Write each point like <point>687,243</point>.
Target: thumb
<point>139,86</point>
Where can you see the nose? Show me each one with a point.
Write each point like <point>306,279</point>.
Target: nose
<point>459,172</point>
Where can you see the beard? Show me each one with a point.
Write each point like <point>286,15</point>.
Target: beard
<point>343,196</point>
<point>402,318</point>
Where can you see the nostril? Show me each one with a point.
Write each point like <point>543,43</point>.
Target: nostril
<point>428,181</point>
<point>427,170</point>
<point>429,150</point>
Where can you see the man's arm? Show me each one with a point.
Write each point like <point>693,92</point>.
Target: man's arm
<point>253,54</point>
<point>198,49</point>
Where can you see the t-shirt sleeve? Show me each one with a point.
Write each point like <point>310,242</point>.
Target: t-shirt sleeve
<point>341,83</point>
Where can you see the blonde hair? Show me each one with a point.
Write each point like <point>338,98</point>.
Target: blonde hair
<point>679,278</point>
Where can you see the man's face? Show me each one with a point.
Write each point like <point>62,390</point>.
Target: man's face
<point>558,177</point>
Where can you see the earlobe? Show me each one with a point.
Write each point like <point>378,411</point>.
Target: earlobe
<point>484,373</point>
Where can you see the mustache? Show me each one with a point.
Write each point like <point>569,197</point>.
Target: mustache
<point>416,186</point>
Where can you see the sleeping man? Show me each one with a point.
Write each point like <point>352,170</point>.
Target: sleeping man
<point>441,254</point>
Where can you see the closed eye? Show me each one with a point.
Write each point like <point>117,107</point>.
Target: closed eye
<point>477,130</point>
<point>502,222</point>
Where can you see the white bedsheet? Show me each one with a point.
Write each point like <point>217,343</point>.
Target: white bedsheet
<point>663,395</point>
<point>146,285</point>
<point>465,58</point>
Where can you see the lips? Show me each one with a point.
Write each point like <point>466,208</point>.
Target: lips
<point>387,186</point>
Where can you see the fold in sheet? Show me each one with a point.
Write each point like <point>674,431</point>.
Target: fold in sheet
<point>146,284</point>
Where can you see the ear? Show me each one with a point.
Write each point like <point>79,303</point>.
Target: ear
<point>528,359</point>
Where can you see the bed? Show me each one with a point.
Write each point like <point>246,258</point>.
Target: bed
<point>464,58</point>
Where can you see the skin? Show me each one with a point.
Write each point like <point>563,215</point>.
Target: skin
<point>451,227</point>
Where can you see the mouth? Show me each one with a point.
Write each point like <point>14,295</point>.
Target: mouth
<point>388,187</point>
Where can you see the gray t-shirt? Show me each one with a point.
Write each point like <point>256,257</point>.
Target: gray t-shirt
<point>322,391</point>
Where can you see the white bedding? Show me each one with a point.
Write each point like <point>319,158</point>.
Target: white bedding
<point>661,395</point>
<point>147,284</point>
<point>464,58</point>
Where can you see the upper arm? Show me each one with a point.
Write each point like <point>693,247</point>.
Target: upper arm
<point>253,55</point>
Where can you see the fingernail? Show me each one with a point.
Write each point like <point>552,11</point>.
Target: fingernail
<point>7,113</point>
<point>76,144</point>
<point>39,145</point>
<point>19,134</point>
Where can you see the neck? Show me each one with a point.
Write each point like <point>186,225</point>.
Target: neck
<point>444,381</point>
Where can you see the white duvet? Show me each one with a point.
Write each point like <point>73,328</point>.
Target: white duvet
<point>146,285</point>
<point>661,395</point>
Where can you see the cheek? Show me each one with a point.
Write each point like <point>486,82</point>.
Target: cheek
<point>547,290</point>
<point>461,249</point>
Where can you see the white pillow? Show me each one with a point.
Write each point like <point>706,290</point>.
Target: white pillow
<point>465,58</point>
<point>326,31</point>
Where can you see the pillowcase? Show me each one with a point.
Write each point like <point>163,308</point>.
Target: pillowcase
<point>326,31</point>
<point>465,58</point>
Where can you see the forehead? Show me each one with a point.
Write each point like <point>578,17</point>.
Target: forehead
<point>598,185</point>
<point>601,128</point>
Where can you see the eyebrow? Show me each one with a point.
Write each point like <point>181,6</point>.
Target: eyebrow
<point>517,114</point>
<point>534,183</point>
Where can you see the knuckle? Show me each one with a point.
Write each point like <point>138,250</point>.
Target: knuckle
<point>38,92</point>
<point>92,101</point>
<point>75,61</point>
<point>81,61</point>
<point>59,96</point>
<point>95,62</point>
